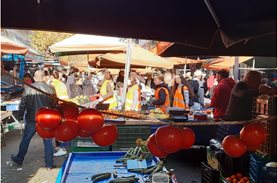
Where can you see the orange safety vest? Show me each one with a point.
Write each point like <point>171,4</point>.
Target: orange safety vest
<point>179,97</point>
<point>167,101</point>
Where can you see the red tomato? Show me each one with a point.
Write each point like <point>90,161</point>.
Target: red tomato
<point>253,135</point>
<point>69,111</point>
<point>169,139</point>
<point>44,133</point>
<point>67,131</point>
<point>90,120</point>
<point>233,146</point>
<point>83,133</point>
<point>48,118</point>
<point>188,137</point>
<point>106,136</point>
<point>253,147</point>
<point>154,149</point>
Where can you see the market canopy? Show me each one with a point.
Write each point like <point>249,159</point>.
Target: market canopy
<point>9,46</point>
<point>225,63</point>
<point>140,57</point>
<point>83,44</point>
<point>202,27</point>
<point>182,61</point>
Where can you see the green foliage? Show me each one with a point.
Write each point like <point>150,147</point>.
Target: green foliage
<point>41,40</point>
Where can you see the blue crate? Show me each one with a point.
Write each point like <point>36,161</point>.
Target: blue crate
<point>153,128</point>
<point>80,166</point>
<point>256,164</point>
<point>12,107</point>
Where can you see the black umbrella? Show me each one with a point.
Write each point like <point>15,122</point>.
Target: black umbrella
<point>195,23</point>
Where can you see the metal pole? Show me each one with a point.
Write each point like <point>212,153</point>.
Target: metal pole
<point>236,69</point>
<point>185,67</point>
<point>253,64</point>
<point>127,71</point>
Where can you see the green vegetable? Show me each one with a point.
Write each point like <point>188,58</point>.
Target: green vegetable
<point>100,176</point>
<point>131,176</point>
<point>157,169</point>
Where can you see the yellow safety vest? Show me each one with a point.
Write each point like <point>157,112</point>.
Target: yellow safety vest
<point>103,91</point>
<point>130,97</point>
<point>60,87</point>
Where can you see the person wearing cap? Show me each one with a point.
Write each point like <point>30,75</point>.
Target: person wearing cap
<point>197,76</point>
<point>222,93</point>
<point>31,102</point>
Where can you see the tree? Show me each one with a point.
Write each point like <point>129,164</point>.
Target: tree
<point>41,40</point>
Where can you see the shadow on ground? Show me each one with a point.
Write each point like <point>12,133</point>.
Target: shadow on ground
<point>32,170</point>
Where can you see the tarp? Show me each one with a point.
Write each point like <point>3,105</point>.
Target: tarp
<point>9,46</point>
<point>83,44</point>
<point>181,61</point>
<point>140,58</point>
<point>224,63</point>
<point>209,27</point>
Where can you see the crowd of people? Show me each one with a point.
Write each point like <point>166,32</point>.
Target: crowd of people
<point>229,100</point>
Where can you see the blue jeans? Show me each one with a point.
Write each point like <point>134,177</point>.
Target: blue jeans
<point>29,132</point>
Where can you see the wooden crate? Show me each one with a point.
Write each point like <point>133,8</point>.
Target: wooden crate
<point>269,147</point>
<point>265,105</point>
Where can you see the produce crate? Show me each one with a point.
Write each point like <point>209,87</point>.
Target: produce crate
<point>265,105</point>
<point>154,128</point>
<point>86,145</point>
<point>208,174</point>
<point>127,136</point>
<point>257,162</point>
<point>269,147</point>
<point>223,130</point>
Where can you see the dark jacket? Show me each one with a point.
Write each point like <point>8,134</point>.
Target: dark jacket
<point>88,89</point>
<point>32,100</point>
<point>162,95</point>
<point>221,97</point>
<point>241,102</point>
<point>152,84</point>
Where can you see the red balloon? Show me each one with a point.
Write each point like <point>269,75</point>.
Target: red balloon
<point>253,135</point>
<point>90,120</point>
<point>83,133</point>
<point>188,137</point>
<point>106,136</point>
<point>44,133</point>
<point>48,118</point>
<point>169,139</point>
<point>69,111</point>
<point>67,131</point>
<point>154,149</point>
<point>233,146</point>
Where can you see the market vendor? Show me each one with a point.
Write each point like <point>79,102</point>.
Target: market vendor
<point>181,92</point>
<point>133,97</point>
<point>243,93</point>
<point>106,95</point>
<point>161,93</point>
<point>222,93</point>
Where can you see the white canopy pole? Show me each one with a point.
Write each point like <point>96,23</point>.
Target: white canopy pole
<point>127,71</point>
<point>185,67</point>
<point>236,69</point>
<point>253,64</point>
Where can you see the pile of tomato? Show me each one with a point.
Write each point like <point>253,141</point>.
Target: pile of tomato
<point>169,139</point>
<point>251,137</point>
<point>66,123</point>
<point>237,178</point>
